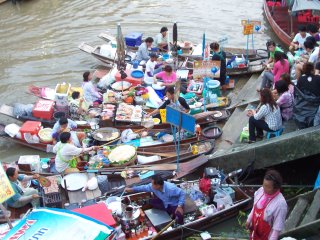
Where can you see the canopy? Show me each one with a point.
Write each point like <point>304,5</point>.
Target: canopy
<point>52,224</point>
<point>300,5</point>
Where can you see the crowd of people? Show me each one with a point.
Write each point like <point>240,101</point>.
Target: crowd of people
<point>280,101</point>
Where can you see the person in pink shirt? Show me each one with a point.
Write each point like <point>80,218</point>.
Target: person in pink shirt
<point>271,76</point>
<point>168,76</point>
<point>267,217</point>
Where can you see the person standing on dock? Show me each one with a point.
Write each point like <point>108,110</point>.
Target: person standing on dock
<point>267,217</point>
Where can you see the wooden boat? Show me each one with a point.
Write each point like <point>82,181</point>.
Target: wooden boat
<point>48,147</point>
<point>195,219</point>
<point>116,183</point>
<point>284,25</point>
<point>168,154</point>
<point>95,51</point>
<point>303,216</point>
<point>202,119</point>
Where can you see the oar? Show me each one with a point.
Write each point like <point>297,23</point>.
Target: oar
<point>163,229</point>
<point>157,153</point>
<point>258,186</point>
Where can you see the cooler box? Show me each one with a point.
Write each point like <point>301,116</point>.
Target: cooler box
<point>133,39</point>
<point>61,93</point>
<point>32,127</point>
<point>29,163</point>
<point>132,80</point>
<point>43,109</point>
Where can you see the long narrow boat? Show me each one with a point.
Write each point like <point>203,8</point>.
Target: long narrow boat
<point>303,216</point>
<point>193,219</point>
<point>48,147</point>
<point>284,25</point>
<point>203,118</point>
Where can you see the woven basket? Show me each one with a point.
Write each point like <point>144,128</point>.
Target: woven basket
<point>128,163</point>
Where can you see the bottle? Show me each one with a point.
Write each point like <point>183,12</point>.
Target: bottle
<point>127,231</point>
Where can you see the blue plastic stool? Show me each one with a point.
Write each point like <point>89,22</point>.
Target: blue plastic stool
<point>275,133</point>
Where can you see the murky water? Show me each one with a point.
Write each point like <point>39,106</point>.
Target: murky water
<point>39,38</point>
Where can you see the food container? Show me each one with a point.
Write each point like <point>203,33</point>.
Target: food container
<point>133,39</point>
<point>43,109</point>
<point>148,81</point>
<point>45,135</point>
<point>31,127</point>
<point>121,86</point>
<point>29,163</point>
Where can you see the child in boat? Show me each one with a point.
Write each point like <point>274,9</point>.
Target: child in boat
<point>152,67</point>
<point>77,106</point>
<point>66,151</point>
<point>267,217</point>
<point>169,197</point>
<point>22,195</point>
<point>67,125</point>
<point>267,117</point>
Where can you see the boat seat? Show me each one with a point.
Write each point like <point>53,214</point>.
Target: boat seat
<point>274,133</point>
<point>296,213</point>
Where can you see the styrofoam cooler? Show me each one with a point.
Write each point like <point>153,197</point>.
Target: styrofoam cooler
<point>29,163</point>
<point>61,93</point>
<point>43,109</point>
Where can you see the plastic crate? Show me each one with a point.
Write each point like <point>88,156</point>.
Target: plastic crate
<point>52,200</point>
<point>133,39</point>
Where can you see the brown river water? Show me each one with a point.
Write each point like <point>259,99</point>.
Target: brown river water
<point>39,38</point>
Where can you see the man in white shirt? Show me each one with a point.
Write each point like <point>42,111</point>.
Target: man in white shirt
<point>161,40</point>
<point>152,67</point>
<point>299,39</point>
<point>66,151</point>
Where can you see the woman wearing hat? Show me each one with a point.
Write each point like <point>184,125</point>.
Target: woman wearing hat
<point>161,40</point>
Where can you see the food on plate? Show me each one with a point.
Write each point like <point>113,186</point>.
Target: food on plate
<point>122,154</point>
<point>217,114</point>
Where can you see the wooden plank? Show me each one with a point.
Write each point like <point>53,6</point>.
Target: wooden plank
<point>6,110</point>
<point>248,93</point>
<point>313,210</point>
<point>232,129</point>
<point>295,215</point>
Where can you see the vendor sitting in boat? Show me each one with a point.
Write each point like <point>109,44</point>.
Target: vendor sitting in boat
<point>143,51</point>
<point>219,55</point>
<point>67,125</point>
<point>169,197</point>
<point>22,196</point>
<point>66,152</point>
<point>90,92</point>
<point>161,40</point>
<point>182,104</point>
<point>77,106</point>
<point>168,77</point>
<point>152,67</point>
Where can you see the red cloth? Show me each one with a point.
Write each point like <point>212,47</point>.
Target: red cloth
<point>99,212</point>
<point>260,228</point>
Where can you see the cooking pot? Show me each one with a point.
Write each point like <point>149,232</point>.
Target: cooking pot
<point>106,134</point>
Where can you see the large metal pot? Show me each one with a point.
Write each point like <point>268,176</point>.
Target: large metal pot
<point>106,134</point>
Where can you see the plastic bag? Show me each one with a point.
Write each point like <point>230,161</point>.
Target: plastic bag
<point>20,109</point>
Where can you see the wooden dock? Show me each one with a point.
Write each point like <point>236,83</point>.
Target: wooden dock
<point>231,154</point>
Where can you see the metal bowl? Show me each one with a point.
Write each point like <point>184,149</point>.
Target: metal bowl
<point>106,134</point>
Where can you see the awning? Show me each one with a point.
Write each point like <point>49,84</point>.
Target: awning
<point>300,5</point>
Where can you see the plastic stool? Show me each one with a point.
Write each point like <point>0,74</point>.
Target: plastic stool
<point>244,136</point>
<point>275,133</point>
